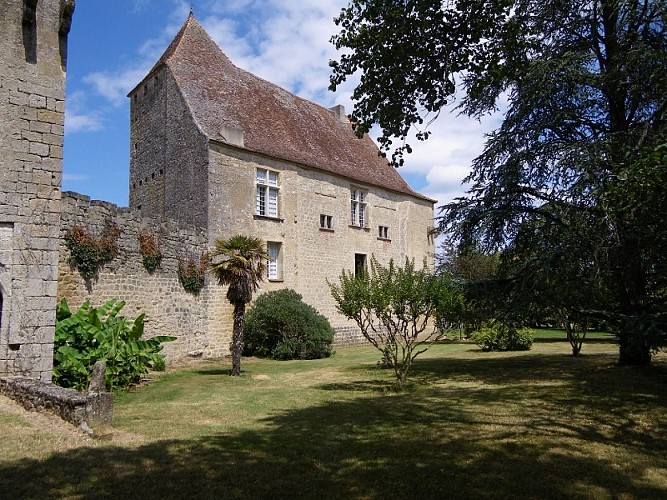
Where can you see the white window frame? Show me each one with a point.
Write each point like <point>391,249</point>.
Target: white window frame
<point>383,232</point>
<point>267,193</point>
<point>358,207</point>
<point>326,222</point>
<point>274,267</point>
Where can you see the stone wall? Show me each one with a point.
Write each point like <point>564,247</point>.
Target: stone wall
<point>90,411</point>
<point>33,38</point>
<point>169,309</point>
<point>311,255</point>
<point>168,154</point>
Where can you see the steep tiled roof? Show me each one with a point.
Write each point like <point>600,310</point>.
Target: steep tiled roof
<point>274,121</point>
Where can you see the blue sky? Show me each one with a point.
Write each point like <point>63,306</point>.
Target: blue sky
<point>113,44</point>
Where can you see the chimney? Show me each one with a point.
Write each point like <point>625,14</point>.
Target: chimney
<point>339,111</point>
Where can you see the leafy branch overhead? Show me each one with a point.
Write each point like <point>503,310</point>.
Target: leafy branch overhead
<point>576,171</point>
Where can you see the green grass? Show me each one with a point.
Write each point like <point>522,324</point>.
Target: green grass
<point>535,424</point>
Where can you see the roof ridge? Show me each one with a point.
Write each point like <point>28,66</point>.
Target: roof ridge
<point>169,51</point>
<point>275,121</point>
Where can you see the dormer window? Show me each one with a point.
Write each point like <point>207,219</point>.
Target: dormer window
<point>267,193</point>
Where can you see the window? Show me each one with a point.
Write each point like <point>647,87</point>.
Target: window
<point>30,30</point>
<point>359,264</point>
<point>358,215</point>
<point>267,193</point>
<point>326,221</point>
<point>274,268</point>
<point>383,232</point>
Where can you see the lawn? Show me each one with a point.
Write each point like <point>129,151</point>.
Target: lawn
<point>535,424</point>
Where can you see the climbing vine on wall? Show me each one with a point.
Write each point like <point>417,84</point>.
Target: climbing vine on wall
<point>149,246</point>
<point>87,253</point>
<point>192,272</point>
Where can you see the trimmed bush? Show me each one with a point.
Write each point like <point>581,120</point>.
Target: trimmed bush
<point>281,326</point>
<point>502,337</point>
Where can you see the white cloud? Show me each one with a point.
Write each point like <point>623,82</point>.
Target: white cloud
<point>114,86</point>
<point>286,43</point>
<point>75,177</point>
<point>78,117</point>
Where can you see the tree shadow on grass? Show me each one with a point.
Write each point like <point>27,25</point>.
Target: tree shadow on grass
<point>315,453</point>
<point>544,429</point>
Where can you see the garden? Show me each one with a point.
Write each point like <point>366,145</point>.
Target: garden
<point>468,424</point>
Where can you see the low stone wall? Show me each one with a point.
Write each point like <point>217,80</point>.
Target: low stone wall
<point>87,411</point>
<point>348,336</point>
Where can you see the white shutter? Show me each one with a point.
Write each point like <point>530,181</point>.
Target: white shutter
<point>272,209</point>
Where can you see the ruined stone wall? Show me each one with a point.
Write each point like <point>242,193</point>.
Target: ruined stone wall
<point>33,49</point>
<point>169,309</point>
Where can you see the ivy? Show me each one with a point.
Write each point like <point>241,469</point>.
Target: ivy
<point>89,254</point>
<point>151,254</point>
<point>192,272</point>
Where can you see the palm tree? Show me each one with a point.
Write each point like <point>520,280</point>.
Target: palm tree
<point>240,263</point>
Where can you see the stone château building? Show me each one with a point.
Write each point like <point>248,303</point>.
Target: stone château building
<point>217,147</point>
<point>215,151</point>
<point>33,53</point>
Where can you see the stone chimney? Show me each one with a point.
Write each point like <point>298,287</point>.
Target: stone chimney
<point>339,111</point>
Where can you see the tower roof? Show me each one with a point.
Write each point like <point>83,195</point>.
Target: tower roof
<point>274,122</point>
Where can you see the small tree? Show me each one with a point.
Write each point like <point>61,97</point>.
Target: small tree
<point>241,266</point>
<point>396,309</point>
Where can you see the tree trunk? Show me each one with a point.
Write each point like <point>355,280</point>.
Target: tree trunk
<point>237,338</point>
<point>633,346</point>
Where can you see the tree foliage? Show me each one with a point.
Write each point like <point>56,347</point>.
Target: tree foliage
<point>239,263</point>
<point>397,309</point>
<point>280,325</point>
<point>574,177</point>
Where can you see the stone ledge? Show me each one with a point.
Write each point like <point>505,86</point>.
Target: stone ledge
<point>87,411</point>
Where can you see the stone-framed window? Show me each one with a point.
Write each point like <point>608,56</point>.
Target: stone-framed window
<point>274,269</point>
<point>383,232</point>
<point>267,193</point>
<point>358,207</point>
<point>326,222</point>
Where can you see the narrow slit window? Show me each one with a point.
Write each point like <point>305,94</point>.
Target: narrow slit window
<point>30,30</point>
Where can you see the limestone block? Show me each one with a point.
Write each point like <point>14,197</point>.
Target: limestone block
<point>37,101</point>
<point>39,149</point>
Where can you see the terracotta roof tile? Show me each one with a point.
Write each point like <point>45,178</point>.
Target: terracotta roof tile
<point>274,121</point>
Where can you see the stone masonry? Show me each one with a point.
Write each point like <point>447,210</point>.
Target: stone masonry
<point>169,309</point>
<point>33,51</point>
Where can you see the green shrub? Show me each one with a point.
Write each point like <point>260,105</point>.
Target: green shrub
<point>192,272</point>
<point>281,326</point>
<point>89,254</point>
<point>91,334</point>
<point>503,337</point>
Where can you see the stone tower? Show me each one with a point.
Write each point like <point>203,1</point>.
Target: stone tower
<point>33,53</point>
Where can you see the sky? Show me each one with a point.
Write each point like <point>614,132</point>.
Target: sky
<point>113,44</point>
